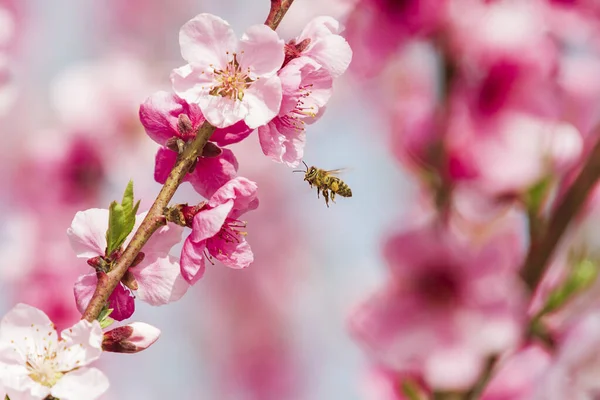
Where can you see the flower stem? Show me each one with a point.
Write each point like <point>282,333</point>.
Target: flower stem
<point>154,220</point>
<point>277,12</point>
<point>543,245</point>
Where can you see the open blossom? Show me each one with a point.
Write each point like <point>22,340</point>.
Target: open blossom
<point>36,363</point>
<point>155,277</point>
<point>307,87</point>
<point>167,117</point>
<point>230,80</point>
<point>448,307</point>
<point>321,41</point>
<point>217,231</point>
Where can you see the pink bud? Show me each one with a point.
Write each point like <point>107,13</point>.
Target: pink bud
<point>131,338</point>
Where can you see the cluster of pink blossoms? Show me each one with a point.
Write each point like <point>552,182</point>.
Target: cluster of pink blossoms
<point>494,113</point>
<point>256,83</point>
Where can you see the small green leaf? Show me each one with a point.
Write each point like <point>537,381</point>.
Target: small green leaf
<point>582,275</point>
<point>121,220</point>
<point>104,317</point>
<point>537,194</point>
<point>410,390</point>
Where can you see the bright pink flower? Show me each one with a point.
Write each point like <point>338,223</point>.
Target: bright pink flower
<point>131,338</point>
<point>167,116</point>
<point>230,80</point>
<point>574,372</point>
<point>321,41</point>
<point>377,27</point>
<point>157,275</point>
<point>216,229</point>
<point>449,305</point>
<point>36,363</point>
<point>518,376</point>
<point>306,89</point>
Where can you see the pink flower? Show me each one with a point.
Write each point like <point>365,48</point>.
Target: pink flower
<point>518,376</point>
<point>166,117</point>
<point>155,278</point>
<point>131,338</point>
<point>230,80</point>
<point>320,40</point>
<point>450,305</point>
<point>216,229</point>
<point>377,27</point>
<point>306,89</point>
<point>574,372</point>
<point>36,363</point>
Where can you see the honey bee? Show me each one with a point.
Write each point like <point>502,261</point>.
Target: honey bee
<point>326,183</point>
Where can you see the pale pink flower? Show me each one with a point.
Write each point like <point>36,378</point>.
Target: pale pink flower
<point>385,384</point>
<point>36,363</point>
<point>574,372</point>
<point>130,338</point>
<point>306,89</point>
<point>166,116</point>
<point>321,41</point>
<point>519,375</point>
<point>217,231</point>
<point>449,305</point>
<point>157,275</point>
<point>510,154</point>
<point>377,27</point>
<point>230,80</point>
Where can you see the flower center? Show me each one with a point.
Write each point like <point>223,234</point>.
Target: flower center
<point>438,287</point>
<point>293,119</point>
<point>43,368</point>
<point>231,81</point>
<point>232,230</point>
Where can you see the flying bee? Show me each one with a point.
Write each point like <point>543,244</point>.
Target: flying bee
<point>326,182</point>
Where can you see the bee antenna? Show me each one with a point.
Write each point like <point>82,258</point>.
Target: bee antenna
<point>305,165</point>
<point>298,170</point>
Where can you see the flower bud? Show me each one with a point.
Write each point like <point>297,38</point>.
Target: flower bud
<point>131,338</point>
<point>184,125</point>
<point>211,150</point>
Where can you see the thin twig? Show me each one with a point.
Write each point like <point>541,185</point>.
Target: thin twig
<point>277,12</point>
<point>541,250</point>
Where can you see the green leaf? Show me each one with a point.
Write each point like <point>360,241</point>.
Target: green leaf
<point>582,275</point>
<point>104,317</point>
<point>410,390</point>
<point>537,194</point>
<point>121,220</point>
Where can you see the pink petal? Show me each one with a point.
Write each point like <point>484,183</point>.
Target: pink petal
<point>232,134</point>
<point>231,254</point>
<point>282,142</point>
<point>263,100</point>
<point>164,239</point>
<point>206,39</point>
<point>192,260</point>
<point>242,191</point>
<point>122,302</point>
<point>159,281</point>
<point>84,290</point>
<point>318,27</point>
<point>223,112</point>
<point>82,345</point>
<point>212,173</point>
<point>81,384</point>
<point>190,84</point>
<point>261,51</point>
<point>87,233</point>
<point>208,222</point>
<point>164,162</point>
<point>332,52</point>
<point>160,112</point>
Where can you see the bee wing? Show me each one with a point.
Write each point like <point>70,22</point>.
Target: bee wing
<point>337,171</point>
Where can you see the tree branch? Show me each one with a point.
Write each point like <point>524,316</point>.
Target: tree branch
<point>154,220</point>
<point>277,12</point>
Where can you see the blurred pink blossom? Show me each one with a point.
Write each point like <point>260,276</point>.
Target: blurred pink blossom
<point>230,80</point>
<point>449,306</point>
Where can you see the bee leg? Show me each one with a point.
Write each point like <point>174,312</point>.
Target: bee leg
<point>318,192</point>
<point>333,196</point>
<point>326,195</point>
